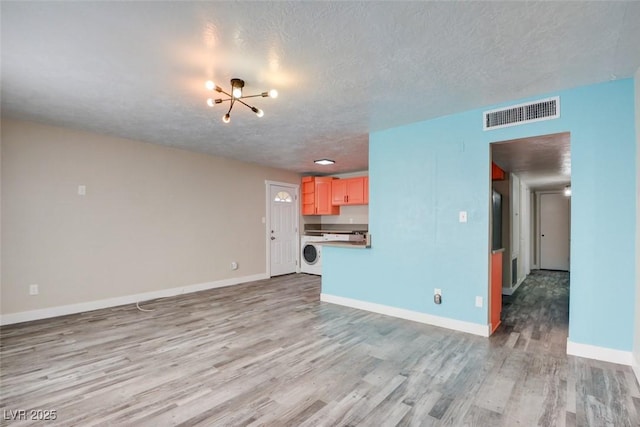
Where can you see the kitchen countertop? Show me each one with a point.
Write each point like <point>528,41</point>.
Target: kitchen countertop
<point>353,245</point>
<point>332,231</point>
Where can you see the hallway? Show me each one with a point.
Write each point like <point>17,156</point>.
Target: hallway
<point>536,316</point>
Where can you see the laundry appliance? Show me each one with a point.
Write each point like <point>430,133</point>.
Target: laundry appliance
<point>311,253</point>
<point>311,248</point>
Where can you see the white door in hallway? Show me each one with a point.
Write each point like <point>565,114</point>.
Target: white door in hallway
<point>554,231</point>
<point>283,235</point>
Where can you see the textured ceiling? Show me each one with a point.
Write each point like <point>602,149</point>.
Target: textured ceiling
<point>343,69</point>
<point>542,162</point>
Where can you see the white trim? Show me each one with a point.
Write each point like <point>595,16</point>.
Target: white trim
<point>443,322</point>
<point>599,353</point>
<point>62,310</point>
<point>635,365</point>
<point>510,291</point>
<point>295,189</point>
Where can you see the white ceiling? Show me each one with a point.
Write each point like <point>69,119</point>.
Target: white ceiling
<point>343,69</point>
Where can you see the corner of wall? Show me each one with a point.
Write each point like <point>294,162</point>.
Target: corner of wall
<point>636,334</point>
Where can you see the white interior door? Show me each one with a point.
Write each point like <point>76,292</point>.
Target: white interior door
<point>554,231</point>
<point>283,235</point>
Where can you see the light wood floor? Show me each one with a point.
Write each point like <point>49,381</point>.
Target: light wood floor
<point>270,353</point>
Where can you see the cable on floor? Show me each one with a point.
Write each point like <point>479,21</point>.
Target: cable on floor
<point>143,309</point>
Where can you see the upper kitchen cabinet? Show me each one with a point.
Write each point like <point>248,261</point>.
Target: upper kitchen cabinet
<point>497,174</point>
<point>348,191</point>
<point>316,196</point>
<point>366,190</point>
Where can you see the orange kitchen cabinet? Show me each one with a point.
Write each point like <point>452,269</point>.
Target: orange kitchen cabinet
<point>316,196</point>
<point>308,199</point>
<point>348,191</point>
<point>366,190</point>
<point>497,174</point>
<point>339,192</point>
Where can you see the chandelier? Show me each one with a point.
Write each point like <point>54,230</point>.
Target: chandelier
<point>236,96</point>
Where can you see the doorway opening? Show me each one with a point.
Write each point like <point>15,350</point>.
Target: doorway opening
<point>530,228</point>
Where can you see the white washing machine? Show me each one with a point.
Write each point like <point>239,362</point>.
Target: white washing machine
<point>311,254</point>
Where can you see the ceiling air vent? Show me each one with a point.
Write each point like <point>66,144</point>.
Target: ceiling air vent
<point>544,109</point>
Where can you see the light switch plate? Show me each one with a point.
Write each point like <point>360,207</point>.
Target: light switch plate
<point>462,216</point>
<point>479,302</point>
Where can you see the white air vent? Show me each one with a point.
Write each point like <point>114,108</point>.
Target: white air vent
<point>536,111</point>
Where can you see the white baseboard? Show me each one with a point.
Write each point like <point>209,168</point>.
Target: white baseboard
<point>599,353</point>
<point>443,322</point>
<point>45,313</point>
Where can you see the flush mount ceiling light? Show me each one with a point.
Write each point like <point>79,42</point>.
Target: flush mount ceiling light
<point>324,162</point>
<point>236,96</point>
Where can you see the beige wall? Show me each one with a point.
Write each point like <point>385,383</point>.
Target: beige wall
<point>153,217</point>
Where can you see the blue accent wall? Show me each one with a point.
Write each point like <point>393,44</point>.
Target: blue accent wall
<point>421,175</point>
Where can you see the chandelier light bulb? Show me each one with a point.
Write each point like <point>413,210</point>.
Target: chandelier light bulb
<point>259,113</point>
<point>210,102</point>
<point>237,92</point>
<point>210,84</point>
<point>273,93</point>
<point>226,118</point>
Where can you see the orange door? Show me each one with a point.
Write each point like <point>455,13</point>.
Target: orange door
<point>323,197</point>
<point>496,290</point>
<point>339,192</point>
<point>355,191</point>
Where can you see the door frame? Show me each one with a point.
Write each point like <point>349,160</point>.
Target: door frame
<point>295,189</point>
<point>534,223</point>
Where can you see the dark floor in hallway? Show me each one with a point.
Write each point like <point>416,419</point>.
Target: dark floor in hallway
<point>536,316</point>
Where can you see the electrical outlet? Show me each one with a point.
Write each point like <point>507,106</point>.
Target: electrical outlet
<point>437,296</point>
<point>479,302</point>
<point>33,289</point>
<point>82,190</point>
<point>234,265</point>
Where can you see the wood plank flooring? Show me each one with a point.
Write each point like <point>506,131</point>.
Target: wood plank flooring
<point>270,353</point>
